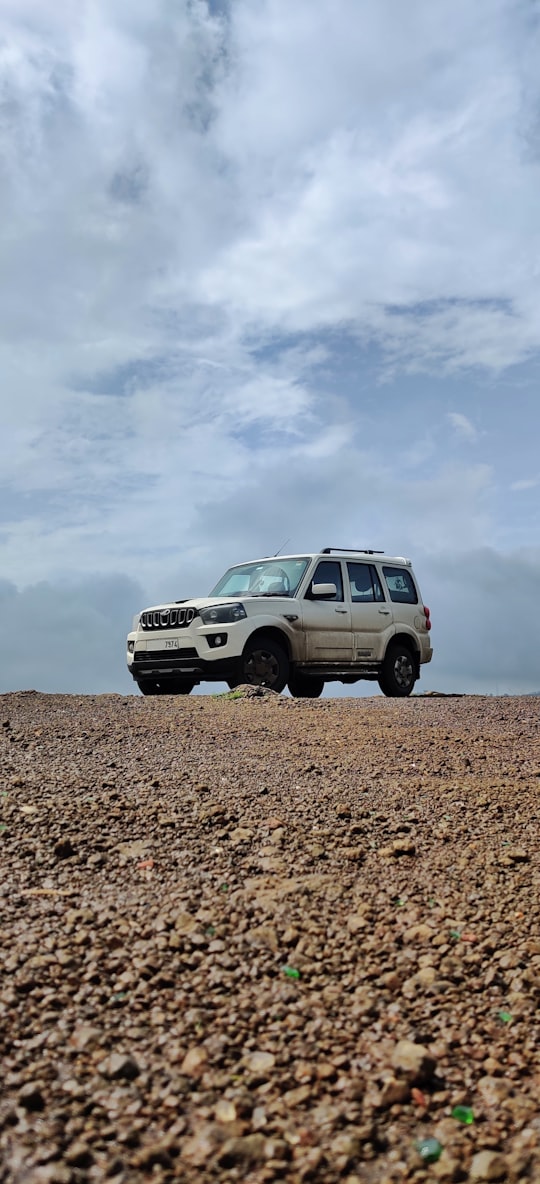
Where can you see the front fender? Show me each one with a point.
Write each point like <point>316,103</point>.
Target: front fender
<point>291,630</point>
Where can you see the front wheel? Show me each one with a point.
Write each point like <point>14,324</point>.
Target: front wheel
<point>398,672</point>
<point>304,687</point>
<point>264,663</point>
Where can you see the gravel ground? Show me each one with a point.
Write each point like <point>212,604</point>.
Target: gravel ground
<point>259,938</point>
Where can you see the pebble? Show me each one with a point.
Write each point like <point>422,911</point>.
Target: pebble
<point>118,1066</point>
<point>194,1062</point>
<point>31,1096</point>
<point>487,1165</point>
<point>414,1061</point>
<point>260,1062</point>
<point>244,1149</point>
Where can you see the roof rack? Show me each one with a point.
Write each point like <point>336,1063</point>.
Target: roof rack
<point>350,551</point>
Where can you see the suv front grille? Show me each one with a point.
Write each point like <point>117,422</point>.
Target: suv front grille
<point>167,618</point>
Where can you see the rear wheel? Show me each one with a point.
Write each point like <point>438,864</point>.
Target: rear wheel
<point>302,686</point>
<point>264,663</point>
<point>398,672</point>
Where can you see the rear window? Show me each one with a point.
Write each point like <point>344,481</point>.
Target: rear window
<point>400,585</point>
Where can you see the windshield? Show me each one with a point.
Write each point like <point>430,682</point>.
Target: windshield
<point>266,577</point>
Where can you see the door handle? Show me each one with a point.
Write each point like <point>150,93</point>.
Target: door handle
<point>341,610</point>
<point>385,612</point>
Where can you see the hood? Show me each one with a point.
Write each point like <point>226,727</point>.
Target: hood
<point>197,602</point>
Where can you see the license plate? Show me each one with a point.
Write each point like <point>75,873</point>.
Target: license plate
<point>163,643</point>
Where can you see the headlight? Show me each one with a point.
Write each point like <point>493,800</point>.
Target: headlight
<point>222,614</point>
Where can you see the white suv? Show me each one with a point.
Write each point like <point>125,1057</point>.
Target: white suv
<point>293,620</point>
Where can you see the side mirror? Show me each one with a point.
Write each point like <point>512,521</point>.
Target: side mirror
<point>323,591</point>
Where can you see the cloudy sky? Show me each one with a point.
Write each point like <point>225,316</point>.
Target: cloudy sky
<point>270,274</point>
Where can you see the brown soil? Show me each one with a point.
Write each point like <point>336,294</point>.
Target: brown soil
<point>260,939</point>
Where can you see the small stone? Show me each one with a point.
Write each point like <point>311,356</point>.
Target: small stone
<point>413,1061</point>
<point>79,1155</point>
<point>64,849</point>
<point>212,813</point>
<point>355,923</point>
<point>185,923</point>
<point>354,854</point>
<point>277,1150</point>
<point>487,1165</point>
<point>194,1062</point>
<point>298,1095</point>
<point>346,1145</point>
<point>83,1036</point>
<point>200,1146</point>
<point>50,1173</point>
<point>270,863</point>
<point>119,1066</point>
<point>263,936</point>
<point>493,1090</point>
<point>244,1149</point>
<point>31,1097</point>
<point>403,847</point>
<point>418,933</point>
<point>426,976</point>
<point>517,855</point>
<point>260,1062</point>
<point>394,1091</point>
<point>132,849</point>
<point>157,1152</point>
<point>225,1111</point>
<point>447,1168</point>
<point>242,834</point>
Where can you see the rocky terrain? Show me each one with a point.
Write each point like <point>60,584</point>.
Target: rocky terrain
<point>257,938</point>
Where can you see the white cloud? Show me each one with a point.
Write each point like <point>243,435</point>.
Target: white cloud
<point>462,425</point>
<point>525,484</point>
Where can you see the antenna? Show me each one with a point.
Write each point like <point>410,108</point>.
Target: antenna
<point>281,548</point>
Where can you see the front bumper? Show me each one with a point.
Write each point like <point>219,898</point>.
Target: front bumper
<point>198,653</point>
<point>182,663</point>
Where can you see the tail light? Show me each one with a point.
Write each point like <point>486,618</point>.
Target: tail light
<point>427,616</point>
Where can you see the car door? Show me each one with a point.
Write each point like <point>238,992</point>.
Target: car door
<point>372,619</point>
<point>327,621</point>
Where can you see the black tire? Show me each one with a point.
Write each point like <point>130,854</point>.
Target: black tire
<point>302,686</point>
<point>264,663</point>
<point>151,686</point>
<point>398,671</point>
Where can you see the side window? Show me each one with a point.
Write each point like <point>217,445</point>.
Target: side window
<point>365,583</point>
<point>327,572</point>
<point>400,585</point>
